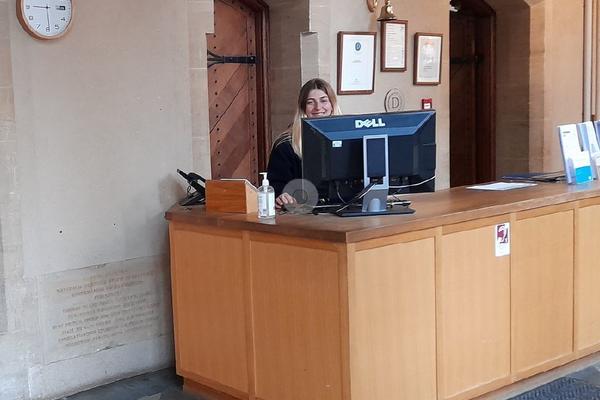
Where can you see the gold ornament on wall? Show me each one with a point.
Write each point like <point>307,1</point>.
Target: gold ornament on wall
<point>372,5</point>
<point>387,12</point>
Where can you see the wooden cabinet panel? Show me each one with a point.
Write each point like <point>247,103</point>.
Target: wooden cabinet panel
<point>208,297</point>
<point>587,279</point>
<point>473,314</point>
<point>542,292</point>
<point>296,312</point>
<point>392,322</point>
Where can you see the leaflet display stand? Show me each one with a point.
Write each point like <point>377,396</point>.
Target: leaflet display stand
<point>576,157</point>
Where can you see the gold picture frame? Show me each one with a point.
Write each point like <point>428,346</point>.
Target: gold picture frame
<point>428,59</point>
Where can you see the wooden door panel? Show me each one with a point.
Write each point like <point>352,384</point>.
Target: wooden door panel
<point>462,101</point>
<point>587,281</point>
<point>224,75</point>
<point>541,292</point>
<point>232,94</point>
<point>228,145</point>
<point>237,158</point>
<point>473,296</point>
<point>472,94</point>
<point>209,318</point>
<point>244,163</point>
<point>297,327</point>
<point>389,294</point>
<point>235,83</point>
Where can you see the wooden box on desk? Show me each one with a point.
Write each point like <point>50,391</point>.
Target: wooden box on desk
<point>231,195</point>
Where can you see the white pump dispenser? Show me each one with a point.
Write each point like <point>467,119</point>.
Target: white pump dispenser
<point>266,199</point>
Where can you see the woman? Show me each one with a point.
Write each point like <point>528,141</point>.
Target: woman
<point>316,99</point>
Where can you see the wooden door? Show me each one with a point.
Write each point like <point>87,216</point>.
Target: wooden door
<point>237,110</point>
<point>472,101</point>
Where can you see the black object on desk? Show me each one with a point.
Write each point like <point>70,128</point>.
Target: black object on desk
<point>194,181</point>
<point>558,176</point>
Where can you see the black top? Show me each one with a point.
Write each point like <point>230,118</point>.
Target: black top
<point>284,164</point>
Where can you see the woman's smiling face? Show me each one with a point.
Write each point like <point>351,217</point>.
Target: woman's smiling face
<point>317,104</point>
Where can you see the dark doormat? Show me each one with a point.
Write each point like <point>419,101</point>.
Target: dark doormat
<point>562,389</point>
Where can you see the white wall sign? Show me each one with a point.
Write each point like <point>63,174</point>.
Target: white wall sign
<point>502,239</point>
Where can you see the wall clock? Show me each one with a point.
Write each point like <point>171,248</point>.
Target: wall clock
<point>45,19</point>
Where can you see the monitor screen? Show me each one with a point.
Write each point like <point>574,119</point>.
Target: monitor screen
<point>333,154</point>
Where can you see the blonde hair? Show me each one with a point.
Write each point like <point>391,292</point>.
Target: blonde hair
<point>296,130</point>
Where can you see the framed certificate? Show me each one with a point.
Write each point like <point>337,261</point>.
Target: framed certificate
<point>428,59</point>
<point>393,45</point>
<point>356,62</point>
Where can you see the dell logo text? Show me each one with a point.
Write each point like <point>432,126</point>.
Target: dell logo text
<point>369,123</point>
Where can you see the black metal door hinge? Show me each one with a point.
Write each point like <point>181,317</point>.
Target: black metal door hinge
<point>214,59</point>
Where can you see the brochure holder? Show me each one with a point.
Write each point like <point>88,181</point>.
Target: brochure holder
<point>576,159</point>
<point>597,127</point>
<point>589,140</point>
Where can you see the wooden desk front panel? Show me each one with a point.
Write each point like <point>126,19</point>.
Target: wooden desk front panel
<point>587,280</point>
<point>542,292</point>
<point>473,296</point>
<point>297,315</point>
<point>392,321</point>
<point>275,317</point>
<point>208,304</point>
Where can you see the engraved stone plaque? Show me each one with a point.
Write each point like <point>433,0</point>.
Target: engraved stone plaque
<point>91,309</point>
<point>394,100</point>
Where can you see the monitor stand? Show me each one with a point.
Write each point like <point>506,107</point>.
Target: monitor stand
<point>357,211</point>
<point>375,164</point>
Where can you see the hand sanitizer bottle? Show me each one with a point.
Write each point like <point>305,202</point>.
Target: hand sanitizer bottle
<point>266,199</point>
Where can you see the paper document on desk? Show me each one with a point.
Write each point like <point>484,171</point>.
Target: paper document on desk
<point>502,186</point>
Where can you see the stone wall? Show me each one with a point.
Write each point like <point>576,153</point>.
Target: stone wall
<point>17,304</point>
<point>289,19</point>
<point>92,129</point>
<point>7,148</point>
<point>425,16</point>
<point>200,22</point>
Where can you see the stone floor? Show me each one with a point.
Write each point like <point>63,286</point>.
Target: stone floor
<point>165,385</point>
<point>160,385</point>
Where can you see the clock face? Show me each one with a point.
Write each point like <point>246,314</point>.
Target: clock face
<point>45,19</point>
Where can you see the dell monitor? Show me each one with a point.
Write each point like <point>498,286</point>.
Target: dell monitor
<point>366,157</point>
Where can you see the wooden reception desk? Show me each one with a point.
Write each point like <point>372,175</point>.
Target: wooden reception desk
<point>414,307</point>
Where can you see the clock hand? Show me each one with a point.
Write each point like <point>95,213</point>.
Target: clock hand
<point>48,15</point>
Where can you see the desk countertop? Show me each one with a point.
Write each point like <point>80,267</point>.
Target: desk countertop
<point>443,207</point>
